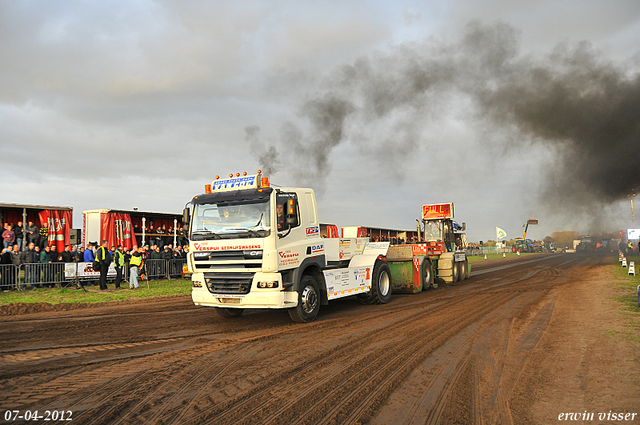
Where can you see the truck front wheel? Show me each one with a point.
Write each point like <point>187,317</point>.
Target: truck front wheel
<point>308,301</point>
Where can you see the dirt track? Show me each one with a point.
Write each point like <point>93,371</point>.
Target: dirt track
<point>520,342</point>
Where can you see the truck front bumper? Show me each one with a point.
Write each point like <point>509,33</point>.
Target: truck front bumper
<point>256,298</point>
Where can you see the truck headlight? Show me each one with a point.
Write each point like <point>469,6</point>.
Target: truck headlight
<point>270,284</point>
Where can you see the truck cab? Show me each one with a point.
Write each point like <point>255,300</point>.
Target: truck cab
<point>255,246</point>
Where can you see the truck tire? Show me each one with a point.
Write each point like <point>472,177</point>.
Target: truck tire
<point>427,274</point>
<point>455,269</point>
<point>380,292</point>
<point>228,313</point>
<point>381,282</point>
<point>308,301</point>
<point>462,274</point>
<point>446,265</point>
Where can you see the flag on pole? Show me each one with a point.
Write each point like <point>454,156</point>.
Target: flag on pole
<point>500,234</point>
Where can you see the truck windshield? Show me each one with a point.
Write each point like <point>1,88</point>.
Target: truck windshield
<point>433,230</point>
<point>231,219</point>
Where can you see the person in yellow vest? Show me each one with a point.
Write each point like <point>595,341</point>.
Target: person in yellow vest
<point>118,262</point>
<point>103,257</point>
<point>135,264</point>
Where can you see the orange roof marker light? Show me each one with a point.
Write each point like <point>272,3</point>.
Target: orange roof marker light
<point>231,175</point>
<point>244,174</point>
<point>217,177</point>
<point>207,188</point>
<point>265,182</point>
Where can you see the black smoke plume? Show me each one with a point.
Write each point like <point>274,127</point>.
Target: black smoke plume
<point>580,105</point>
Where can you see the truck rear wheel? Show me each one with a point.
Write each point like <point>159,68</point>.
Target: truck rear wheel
<point>380,292</point>
<point>381,283</point>
<point>455,269</point>
<point>308,301</point>
<point>427,275</point>
<point>462,274</point>
<point>229,312</point>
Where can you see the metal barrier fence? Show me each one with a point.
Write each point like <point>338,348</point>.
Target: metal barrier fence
<point>9,275</point>
<point>482,250</point>
<point>66,274</point>
<point>164,269</point>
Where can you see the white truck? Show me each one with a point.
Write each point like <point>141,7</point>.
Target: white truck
<point>256,246</point>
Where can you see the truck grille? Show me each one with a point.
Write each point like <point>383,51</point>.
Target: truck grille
<point>229,283</point>
<point>216,261</point>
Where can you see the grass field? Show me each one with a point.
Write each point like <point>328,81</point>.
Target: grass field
<point>156,288</point>
<point>628,298</point>
<point>629,283</point>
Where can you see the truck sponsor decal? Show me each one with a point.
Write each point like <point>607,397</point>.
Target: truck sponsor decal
<point>236,183</point>
<point>362,276</point>
<point>316,249</point>
<point>313,231</point>
<point>205,247</point>
<point>288,258</point>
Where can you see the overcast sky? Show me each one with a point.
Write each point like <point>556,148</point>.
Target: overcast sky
<point>510,109</point>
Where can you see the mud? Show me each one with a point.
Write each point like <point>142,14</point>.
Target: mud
<point>520,342</point>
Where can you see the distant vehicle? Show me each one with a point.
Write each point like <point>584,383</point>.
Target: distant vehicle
<point>586,244</point>
<point>523,245</point>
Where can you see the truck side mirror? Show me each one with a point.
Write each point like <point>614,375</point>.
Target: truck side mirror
<point>186,216</point>
<point>292,212</point>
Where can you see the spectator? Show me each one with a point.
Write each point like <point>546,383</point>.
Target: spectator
<point>44,235</point>
<point>104,259</point>
<point>6,275</point>
<point>179,253</point>
<point>167,254</point>
<point>160,239</point>
<point>8,237</point>
<point>152,266</point>
<point>167,239</point>
<point>118,261</point>
<point>88,254</point>
<point>19,232</point>
<point>135,264</point>
<point>54,252</point>
<point>30,258</point>
<point>32,232</point>
<point>80,255</point>
<point>152,235</point>
<point>15,256</point>
<point>67,256</point>
<point>45,258</point>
